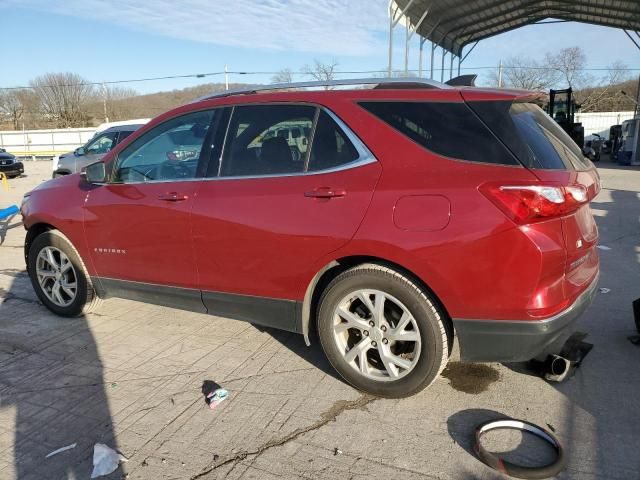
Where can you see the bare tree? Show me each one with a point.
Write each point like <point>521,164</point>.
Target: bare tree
<point>525,73</point>
<point>569,63</point>
<point>605,96</point>
<point>63,98</point>
<point>283,76</point>
<point>321,71</point>
<point>115,102</point>
<point>12,105</point>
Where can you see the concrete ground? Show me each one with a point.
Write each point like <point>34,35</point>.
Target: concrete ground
<point>130,376</point>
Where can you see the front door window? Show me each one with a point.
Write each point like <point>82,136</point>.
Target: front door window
<point>170,151</point>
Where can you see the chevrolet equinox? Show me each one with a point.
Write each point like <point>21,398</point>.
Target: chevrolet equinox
<point>409,214</point>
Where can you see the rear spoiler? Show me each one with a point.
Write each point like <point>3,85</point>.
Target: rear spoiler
<point>463,81</point>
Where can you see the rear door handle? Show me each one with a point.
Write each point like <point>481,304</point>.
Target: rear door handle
<point>172,197</point>
<point>326,192</point>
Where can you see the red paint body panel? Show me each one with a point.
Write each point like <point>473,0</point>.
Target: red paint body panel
<point>59,203</point>
<point>263,237</point>
<point>260,236</point>
<point>155,234</point>
<point>422,213</point>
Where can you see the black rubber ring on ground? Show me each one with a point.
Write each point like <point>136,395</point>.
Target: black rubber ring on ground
<point>512,469</point>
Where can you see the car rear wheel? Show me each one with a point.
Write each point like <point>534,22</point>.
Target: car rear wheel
<point>59,276</point>
<point>382,332</point>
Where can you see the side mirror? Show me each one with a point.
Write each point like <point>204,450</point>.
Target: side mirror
<point>78,152</point>
<point>95,173</point>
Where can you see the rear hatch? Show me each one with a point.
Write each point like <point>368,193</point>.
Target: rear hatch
<point>553,157</point>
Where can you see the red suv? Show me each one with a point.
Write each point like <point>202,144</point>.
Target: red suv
<point>409,213</point>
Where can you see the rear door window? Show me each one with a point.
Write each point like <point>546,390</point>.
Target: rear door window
<point>331,146</point>
<point>259,141</point>
<point>449,129</point>
<point>124,134</point>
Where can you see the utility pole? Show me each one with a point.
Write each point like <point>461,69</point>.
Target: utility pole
<point>500,74</point>
<point>104,102</point>
<point>226,78</point>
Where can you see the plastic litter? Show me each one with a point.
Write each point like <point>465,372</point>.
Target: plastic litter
<point>105,460</point>
<point>213,393</point>
<point>60,450</point>
<point>603,247</point>
<point>604,290</point>
<point>216,397</point>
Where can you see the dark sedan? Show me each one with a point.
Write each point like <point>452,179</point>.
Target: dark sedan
<point>10,165</point>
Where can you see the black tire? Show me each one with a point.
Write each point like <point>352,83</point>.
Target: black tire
<point>86,299</point>
<point>434,350</point>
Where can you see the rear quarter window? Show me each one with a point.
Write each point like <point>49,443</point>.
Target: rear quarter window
<point>449,129</point>
<point>532,135</point>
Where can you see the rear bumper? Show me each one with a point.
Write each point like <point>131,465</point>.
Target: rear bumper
<point>516,341</point>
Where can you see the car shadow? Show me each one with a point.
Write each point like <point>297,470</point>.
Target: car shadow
<point>312,354</point>
<point>6,225</point>
<point>52,388</point>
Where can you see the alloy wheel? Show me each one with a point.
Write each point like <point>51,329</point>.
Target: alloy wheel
<point>377,335</point>
<point>56,276</point>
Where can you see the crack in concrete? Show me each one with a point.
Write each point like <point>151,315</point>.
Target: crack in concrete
<point>330,415</point>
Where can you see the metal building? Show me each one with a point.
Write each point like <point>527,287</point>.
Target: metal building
<point>456,26</point>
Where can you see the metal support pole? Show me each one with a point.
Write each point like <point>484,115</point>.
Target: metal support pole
<point>433,48</point>
<point>226,78</point>
<point>500,74</point>
<point>394,18</point>
<point>451,67</point>
<point>635,110</point>
<point>444,53</point>
<point>391,25</point>
<point>632,39</point>
<point>422,40</point>
<point>406,50</point>
<point>459,62</point>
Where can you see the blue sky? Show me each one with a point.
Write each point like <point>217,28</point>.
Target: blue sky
<point>125,39</point>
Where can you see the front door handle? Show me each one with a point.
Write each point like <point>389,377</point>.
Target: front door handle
<point>172,197</point>
<point>326,192</point>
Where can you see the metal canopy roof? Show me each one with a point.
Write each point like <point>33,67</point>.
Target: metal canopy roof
<point>452,24</point>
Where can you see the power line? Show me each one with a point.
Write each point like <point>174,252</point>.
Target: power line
<point>343,72</point>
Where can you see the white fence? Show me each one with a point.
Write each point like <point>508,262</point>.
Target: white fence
<point>47,143</point>
<point>600,122</point>
<point>44,143</point>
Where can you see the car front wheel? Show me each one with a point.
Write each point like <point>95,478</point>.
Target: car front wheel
<point>383,333</point>
<point>59,276</point>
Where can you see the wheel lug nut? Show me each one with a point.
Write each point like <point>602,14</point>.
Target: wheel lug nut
<point>371,324</point>
<point>383,328</point>
<point>385,341</point>
<point>374,344</point>
<point>366,333</point>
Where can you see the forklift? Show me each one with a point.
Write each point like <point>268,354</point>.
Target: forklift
<point>562,108</point>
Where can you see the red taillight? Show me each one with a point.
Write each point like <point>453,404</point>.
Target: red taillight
<point>535,202</point>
